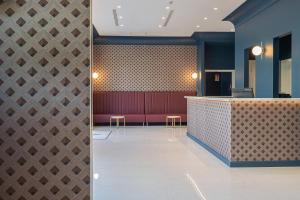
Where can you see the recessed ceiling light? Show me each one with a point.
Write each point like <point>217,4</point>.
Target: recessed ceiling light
<point>167,7</point>
<point>163,18</point>
<point>159,26</point>
<point>205,18</point>
<point>198,26</point>
<point>120,17</point>
<point>119,6</point>
<point>121,25</point>
<point>216,8</point>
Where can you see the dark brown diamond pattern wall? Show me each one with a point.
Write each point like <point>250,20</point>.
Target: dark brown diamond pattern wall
<point>44,100</point>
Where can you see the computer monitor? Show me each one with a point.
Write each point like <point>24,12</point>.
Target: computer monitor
<point>242,93</point>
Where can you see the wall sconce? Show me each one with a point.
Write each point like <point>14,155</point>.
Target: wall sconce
<point>258,50</point>
<point>195,75</point>
<point>95,75</point>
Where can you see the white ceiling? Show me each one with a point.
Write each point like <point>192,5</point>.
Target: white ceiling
<point>143,17</point>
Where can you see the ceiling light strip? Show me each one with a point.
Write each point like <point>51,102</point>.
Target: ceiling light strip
<point>168,18</point>
<point>116,19</point>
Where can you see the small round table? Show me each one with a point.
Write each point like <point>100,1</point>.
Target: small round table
<point>173,120</point>
<point>117,118</point>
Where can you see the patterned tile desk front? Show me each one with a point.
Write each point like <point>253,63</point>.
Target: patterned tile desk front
<point>247,132</point>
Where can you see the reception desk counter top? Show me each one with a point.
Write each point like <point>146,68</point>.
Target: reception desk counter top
<point>247,132</point>
<point>241,99</point>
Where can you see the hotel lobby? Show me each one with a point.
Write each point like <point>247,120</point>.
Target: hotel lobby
<point>143,100</point>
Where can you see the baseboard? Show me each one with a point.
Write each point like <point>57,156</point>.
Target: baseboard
<point>209,149</point>
<point>233,164</point>
<point>278,163</point>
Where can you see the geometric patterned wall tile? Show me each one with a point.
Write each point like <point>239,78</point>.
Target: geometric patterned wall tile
<point>266,130</point>
<point>210,122</point>
<point>144,67</point>
<point>44,100</point>
<point>241,130</point>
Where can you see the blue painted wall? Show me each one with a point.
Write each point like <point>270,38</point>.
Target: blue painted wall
<point>215,51</point>
<point>219,55</point>
<point>279,19</point>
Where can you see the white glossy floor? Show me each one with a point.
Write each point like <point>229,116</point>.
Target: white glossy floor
<point>158,163</point>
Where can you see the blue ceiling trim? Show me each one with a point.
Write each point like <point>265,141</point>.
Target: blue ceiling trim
<point>248,10</point>
<point>95,32</point>
<point>196,38</point>
<point>130,40</point>
<point>214,37</point>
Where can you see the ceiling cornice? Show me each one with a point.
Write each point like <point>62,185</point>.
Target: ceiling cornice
<point>216,37</point>
<point>139,40</point>
<point>196,38</point>
<point>248,10</point>
<point>95,32</point>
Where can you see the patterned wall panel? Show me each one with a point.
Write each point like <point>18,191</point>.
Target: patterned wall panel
<point>210,122</point>
<point>247,130</point>
<point>266,130</point>
<point>44,100</point>
<point>145,67</point>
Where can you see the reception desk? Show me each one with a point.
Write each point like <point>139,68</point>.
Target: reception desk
<point>247,132</point>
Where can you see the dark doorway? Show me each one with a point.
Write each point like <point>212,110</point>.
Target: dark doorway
<point>218,83</point>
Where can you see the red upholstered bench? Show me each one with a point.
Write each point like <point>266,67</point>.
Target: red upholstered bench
<point>129,104</point>
<point>139,107</point>
<point>160,104</point>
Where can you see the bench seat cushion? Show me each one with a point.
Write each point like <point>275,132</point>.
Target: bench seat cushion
<point>130,118</point>
<point>157,118</point>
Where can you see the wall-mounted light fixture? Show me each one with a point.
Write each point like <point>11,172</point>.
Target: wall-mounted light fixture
<point>195,75</point>
<point>95,75</point>
<point>258,50</point>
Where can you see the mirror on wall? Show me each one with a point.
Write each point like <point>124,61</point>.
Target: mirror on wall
<point>250,71</point>
<point>283,66</point>
<point>285,77</point>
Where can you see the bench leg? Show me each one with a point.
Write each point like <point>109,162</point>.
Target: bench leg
<point>118,123</point>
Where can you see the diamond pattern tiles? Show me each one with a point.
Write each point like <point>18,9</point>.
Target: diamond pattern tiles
<point>266,130</point>
<point>210,122</point>
<point>44,100</point>
<point>248,130</point>
<point>145,67</point>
